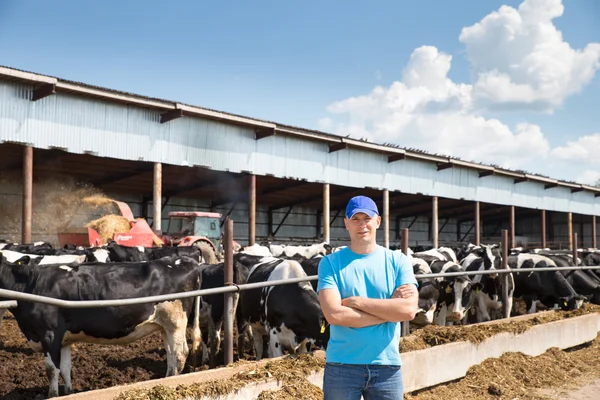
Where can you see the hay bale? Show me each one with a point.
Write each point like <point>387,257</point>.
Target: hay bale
<point>108,225</point>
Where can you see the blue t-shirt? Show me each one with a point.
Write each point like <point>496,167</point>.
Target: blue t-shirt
<point>376,276</point>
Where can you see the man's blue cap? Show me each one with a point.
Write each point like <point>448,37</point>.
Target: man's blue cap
<point>361,204</point>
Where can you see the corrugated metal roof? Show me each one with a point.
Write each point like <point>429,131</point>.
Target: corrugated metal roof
<point>72,121</point>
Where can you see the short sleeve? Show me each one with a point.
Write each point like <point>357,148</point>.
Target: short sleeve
<point>405,269</point>
<point>326,278</point>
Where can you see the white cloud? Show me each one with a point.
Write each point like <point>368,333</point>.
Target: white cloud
<point>583,151</point>
<point>521,60</point>
<point>425,109</point>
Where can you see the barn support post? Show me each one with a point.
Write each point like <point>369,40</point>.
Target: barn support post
<point>27,194</point>
<point>575,249</point>
<point>229,297</point>
<point>593,231</point>
<point>386,218</point>
<point>326,223</point>
<point>252,210</point>
<point>434,222</point>
<point>511,241</point>
<point>404,326</point>
<point>570,229</point>
<point>543,229</point>
<point>157,197</point>
<point>477,224</point>
<point>504,277</point>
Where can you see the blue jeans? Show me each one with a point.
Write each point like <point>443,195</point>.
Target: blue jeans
<point>373,382</point>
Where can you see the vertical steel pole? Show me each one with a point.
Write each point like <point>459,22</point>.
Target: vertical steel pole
<point>434,222</point>
<point>477,224</point>
<point>386,218</point>
<point>157,197</point>
<point>326,220</point>
<point>504,277</point>
<point>252,210</point>
<point>404,325</point>
<point>543,229</point>
<point>229,297</point>
<point>27,194</point>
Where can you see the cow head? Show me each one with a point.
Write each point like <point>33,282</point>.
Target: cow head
<point>429,294</point>
<point>459,295</point>
<point>492,258</point>
<point>571,302</point>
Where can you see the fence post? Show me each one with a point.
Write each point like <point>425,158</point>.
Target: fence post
<point>504,277</point>
<point>404,325</point>
<point>228,298</point>
<point>575,263</point>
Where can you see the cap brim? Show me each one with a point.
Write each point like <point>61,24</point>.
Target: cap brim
<point>370,213</point>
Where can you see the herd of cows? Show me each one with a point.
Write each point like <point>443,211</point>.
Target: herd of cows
<point>274,318</point>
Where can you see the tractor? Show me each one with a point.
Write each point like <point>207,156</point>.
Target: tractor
<point>186,228</point>
<point>193,228</point>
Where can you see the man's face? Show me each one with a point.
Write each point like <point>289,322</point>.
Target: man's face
<point>362,228</point>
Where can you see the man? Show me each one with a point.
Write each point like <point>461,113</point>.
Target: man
<point>365,290</point>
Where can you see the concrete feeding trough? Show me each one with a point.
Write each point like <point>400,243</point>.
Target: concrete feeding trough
<point>421,368</point>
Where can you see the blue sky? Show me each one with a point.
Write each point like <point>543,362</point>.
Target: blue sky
<point>290,61</point>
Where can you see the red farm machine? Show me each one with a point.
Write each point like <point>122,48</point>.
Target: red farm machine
<point>186,228</point>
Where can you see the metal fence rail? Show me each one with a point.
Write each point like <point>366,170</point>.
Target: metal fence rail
<point>9,294</point>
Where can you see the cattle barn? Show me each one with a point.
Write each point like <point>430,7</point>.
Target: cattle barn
<point>279,183</point>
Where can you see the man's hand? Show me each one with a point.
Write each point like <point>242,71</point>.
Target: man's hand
<point>405,291</point>
<point>352,302</point>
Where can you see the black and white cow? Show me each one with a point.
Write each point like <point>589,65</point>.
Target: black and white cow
<point>582,282</point>
<point>120,253</point>
<point>429,293</point>
<point>550,287</point>
<point>290,315</point>
<point>489,302</point>
<point>212,306</point>
<point>310,251</point>
<point>457,294</point>
<point>52,330</point>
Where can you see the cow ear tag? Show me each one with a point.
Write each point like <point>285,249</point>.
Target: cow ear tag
<point>323,327</point>
<point>476,291</point>
<point>448,289</point>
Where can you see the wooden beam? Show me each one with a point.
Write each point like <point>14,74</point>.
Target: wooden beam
<point>543,218</point>
<point>570,229</point>
<point>575,190</point>
<point>171,115</point>
<point>521,179</point>
<point>337,146</point>
<point>483,174</point>
<point>27,210</point>
<point>326,208</point>
<point>263,133</point>
<point>443,166</point>
<point>396,157</point>
<point>42,91</point>
<point>157,197</point>
<point>550,185</point>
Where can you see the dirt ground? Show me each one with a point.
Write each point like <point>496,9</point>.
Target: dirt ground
<point>513,376</point>
<point>22,373</point>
